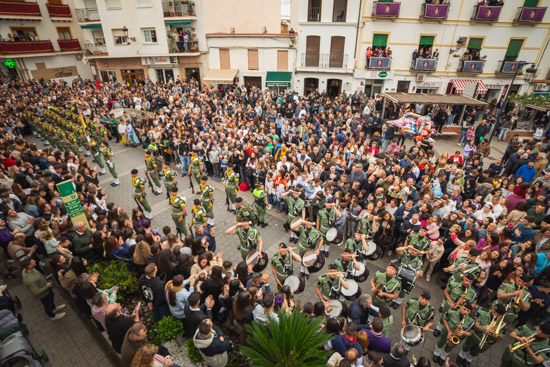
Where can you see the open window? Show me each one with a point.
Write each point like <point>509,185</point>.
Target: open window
<point>425,47</point>
<point>473,50</point>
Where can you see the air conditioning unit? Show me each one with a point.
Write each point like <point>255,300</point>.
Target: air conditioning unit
<point>420,77</point>
<point>541,87</point>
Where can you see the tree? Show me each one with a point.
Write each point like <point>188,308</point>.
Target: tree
<point>294,342</point>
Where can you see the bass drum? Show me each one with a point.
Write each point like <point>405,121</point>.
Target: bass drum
<point>407,277</point>
<point>296,284</point>
<point>362,274</point>
<point>317,265</point>
<point>259,263</point>
<point>335,236</point>
<point>337,308</point>
<point>412,335</point>
<point>375,251</point>
<point>353,292</point>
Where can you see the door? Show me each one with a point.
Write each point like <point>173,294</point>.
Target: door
<point>334,86</point>
<point>131,76</point>
<point>312,50</point>
<point>193,73</point>
<point>253,81</point>
<point>310,85</point>
<point>336,58</point>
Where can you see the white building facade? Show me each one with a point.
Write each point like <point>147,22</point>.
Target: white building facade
<point>41,40</point>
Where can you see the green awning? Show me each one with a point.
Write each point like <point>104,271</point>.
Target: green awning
<point>178,22</point>
<point>90,26</point>
<point>278,79</point>
<point>475,43</point>
<point>379,40</point>
<point>426,40</point>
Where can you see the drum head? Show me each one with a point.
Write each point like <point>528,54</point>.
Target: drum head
<point>353,288</point>
<point>296,220</point>
<point>335,308</point>
<point>372,248</point>
<point>318,265</point>
<point>293,282</point>
<point>412,335</point>
<point>261,264</point>
<point>359,272</point>
<point>331,234</point>
<point>309,258</point>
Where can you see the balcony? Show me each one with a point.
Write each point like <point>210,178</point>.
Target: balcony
<point>179,47</point>
<point>385,10</point>
<point>379,63</point>
<point>424,64</point>
<point>508,67</point>
<point>69,45</point>
<point>528,14</point>
<point>19,10</point>
<point>87,15</point>
<point>471,66</point>
<point>435,11</point>
<point>59,11</point>
<point>486,13</point>
<point>26,47</point>
<point>179,9</point>
<point>314,14</point>
<point>330,60</point>
<point>96,50</point>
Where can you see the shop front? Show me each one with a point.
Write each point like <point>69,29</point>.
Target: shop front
<point>162,68</point>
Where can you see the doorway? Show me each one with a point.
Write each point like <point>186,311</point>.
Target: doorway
<point>310,85</point>
<point>253,81</point>
<point>334,86</point>
<point>164,75</point>
<point>193,73</point>
<point>131,76</point>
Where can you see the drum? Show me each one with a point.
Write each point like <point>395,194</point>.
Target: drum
<point>407,277</point>
<point>317,265</point>
<point>296,284</point>
<point>412,335</point>
<point>353,292</point>
<point>372,249</point>
<point>335,236</point>
<point>309,258</point>
<point>362,274</point>
<point>335,308</point>
<point>259,264</point>
<point>294,221</point>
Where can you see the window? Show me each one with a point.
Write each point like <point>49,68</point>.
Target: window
<point>253,60</point>
<point>282,60</point>
<point>112,4</point>
<point>314,10</point>
<point>108,75</point>
<point>119,38</point>
<point>473,50</point>
<point>24,33</point>
<point>99,38</point>
<point>312,50</point>
<point>514,47</point>
<point>403,86</point>
<point>379,41</point>
<point>64,33</point>
<point>531,3</point>
<point>336,59</point>
<point>149,35</point>
<point>425,47</point>
<point>339,10</point>
<point>144,4</point>
<point>225,62</point>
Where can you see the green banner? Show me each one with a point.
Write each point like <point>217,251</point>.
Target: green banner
<point>72,202</point>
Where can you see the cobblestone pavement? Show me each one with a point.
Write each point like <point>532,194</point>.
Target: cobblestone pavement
<point>68,343</point>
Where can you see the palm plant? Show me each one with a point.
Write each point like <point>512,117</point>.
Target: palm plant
<point>294,342</point>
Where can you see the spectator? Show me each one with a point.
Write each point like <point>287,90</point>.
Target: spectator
<point>41,288</point>
<point>211,343</point>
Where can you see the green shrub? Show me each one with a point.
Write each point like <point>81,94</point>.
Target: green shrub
<point>168,329</point>
<point>192,352</point>
<point>116,273</point>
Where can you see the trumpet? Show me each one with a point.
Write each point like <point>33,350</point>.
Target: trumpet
<point>493,334</point>
<point>455,339</point>
<point>516,302</point>
<point>519,344</point>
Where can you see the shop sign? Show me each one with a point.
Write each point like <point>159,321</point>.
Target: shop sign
<point>382,74</point>
<point>72,202</point>
<point>161,60</point>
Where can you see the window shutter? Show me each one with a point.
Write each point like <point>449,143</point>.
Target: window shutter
<point>531,3</point>
<point>253,60</point>
<point>513,48</point>
<point>426,40</point>
<point>224,59</point>
<point>282,60</point>
<point>379,40</point>
<point>312,50</point>
<point>475,43</point>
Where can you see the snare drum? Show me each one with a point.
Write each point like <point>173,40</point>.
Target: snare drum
<point>353,292</point>
<point>310,257</point>
<point>318,263</point>
<point>412,335</point>
<point>294,221</point>
<point>362,274</point>
<point>407,277</point>
<point>296,284</point>
<point>335,236</point>
<point>371,250</point>
<point>259,264</point>
<point>336,308</point>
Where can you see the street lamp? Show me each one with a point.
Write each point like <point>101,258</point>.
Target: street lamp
<point>530,70</point>
<point>292,36</point>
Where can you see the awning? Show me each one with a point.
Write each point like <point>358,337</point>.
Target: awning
<point>460,85</point>
<point>276,79</point>
<point>90,26</point>
<point>220,76</point>
<point>178,22</point>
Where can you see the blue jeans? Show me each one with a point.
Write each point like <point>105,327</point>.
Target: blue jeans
<point>502,134</point>
<point>161,312</point>
<point>463,134</point>
<point>385,144</point>
<point>272,199</point>
<point>48,304</point>
<point>185,163</point>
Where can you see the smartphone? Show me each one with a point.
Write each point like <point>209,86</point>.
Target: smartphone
<point>49,278</point>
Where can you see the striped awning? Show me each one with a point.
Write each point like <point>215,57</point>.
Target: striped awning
<point>460,85</point>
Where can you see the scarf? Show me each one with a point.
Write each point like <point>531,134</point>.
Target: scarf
<point>172,287</point>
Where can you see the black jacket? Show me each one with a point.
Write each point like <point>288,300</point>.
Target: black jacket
<point>193,318</point>
<point>152,290</point>
<point>212,345</point>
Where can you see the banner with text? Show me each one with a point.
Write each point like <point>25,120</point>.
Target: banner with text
<point>72,202</point>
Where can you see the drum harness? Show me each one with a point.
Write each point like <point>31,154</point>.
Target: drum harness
<point>334,292</point>
<point>288,268</point>
<point>408,262</point>
<point>386,290</point>
<point>331,216</point>
<point>419,320</point>
<point>250,242</point>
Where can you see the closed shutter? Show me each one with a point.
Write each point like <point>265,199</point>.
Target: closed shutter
<point>475,43</point>
<point>312,50</point>
<point>336,51</point>
<point>253,60</point>
<point>385,1</point>
<point>531,3</point>
<point>379,40</point>
<point>282,60</point>
<point>426,40</point>
<point>513,48</point>
<point>224,59</point>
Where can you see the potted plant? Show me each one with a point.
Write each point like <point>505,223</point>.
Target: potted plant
<point>179,13</point>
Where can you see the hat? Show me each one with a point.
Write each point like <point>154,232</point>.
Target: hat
<point>500,309</point>
<point>468,305</point>
<point>545,328</point>
<point>332,267</point>
<point>197,202</point>
<point>470,276</point>
<point>239,199</point>
<point>147,152</point>
<point>283,245</point>
<point>174,189</point>
<point>524,277</point>
<point>474,252</point>
<point>347,251</point>
<point>134,171</point>
<point>426,295</point>
<point>309,219</point>
<point>416,247</point>
<point>393,265</point>
<point>245,219</point>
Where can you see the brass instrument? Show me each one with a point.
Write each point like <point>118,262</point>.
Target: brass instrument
<point>519,344</point>
<point>459,267</point>
<point>375,290</point>
<point>461,299</point>
<point>455,340</point>
<point>497,325</point>
<point>516,301</point>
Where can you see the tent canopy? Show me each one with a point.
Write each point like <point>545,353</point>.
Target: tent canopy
<point>428,98</point>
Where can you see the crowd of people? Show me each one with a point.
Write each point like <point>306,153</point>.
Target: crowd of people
<point>333,165</point>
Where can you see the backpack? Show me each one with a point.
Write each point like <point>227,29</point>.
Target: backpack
<point>252,215</point>
<point>244,186</point>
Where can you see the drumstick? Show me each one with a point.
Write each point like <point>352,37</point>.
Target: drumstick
<point>421,327</point>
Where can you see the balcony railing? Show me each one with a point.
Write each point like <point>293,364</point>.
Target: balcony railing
<point>179,47</point>
<point>385,9</point>
<point>508,67</point>
<point>435,11</point>
<point>424,64</point>
<point>87,15</point>
<point>330,60</point>
<point>314,14</point>
<point>178,8</point>
<point>59,11</point>
<point>69,45</point>
<point>471,66</point>
<point>96,50</point>
<point>528,14</point>
<point>379,63</point>
<point>25,47</point>
<point>16,9</point>
<point>486,13</point>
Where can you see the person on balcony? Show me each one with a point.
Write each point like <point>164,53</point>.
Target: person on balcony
<point>415,56</point>
<point>436,54</point>
<point>467,55</point>
<point>369,54</point>
<point>186,41</point>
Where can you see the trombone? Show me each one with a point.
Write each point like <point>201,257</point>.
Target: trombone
<point>519,344</point>
<point>494,334</point>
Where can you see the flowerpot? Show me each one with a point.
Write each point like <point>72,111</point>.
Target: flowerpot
<point>171,13</point>
<point>194,49</point>
<point>194,35</point>
<point>190,13</point>
<point>179,13</point>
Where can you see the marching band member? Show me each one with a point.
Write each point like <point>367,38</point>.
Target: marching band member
<point>455,295</point>
<point>328,285</point>
<point>458,323</point>
<point>296,208</point>
<point>347,264</point>
<point>326,219</point>
<point>418,312</point>
<point>310,239</point>
<point>248,236</point>
<point>410,258</point>
<point>532,347</point>
<point>514,296</point>
<point>282,264</point>
<point>385,286</point>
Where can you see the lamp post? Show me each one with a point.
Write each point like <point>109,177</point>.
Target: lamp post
<point>530,70</point>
